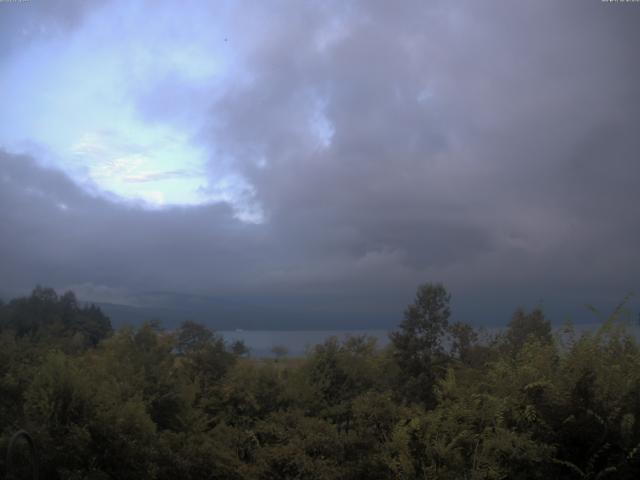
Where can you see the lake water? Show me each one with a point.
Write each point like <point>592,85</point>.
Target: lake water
<point>298,342</point>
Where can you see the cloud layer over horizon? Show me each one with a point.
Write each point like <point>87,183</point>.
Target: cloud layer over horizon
<point>324,156</point>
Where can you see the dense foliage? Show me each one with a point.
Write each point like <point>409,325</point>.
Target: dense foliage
<point>436,403</point>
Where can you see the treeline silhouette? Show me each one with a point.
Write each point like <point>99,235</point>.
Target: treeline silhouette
<point>437,402</point>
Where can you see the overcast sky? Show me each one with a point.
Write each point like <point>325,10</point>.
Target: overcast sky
<point>322,157</point>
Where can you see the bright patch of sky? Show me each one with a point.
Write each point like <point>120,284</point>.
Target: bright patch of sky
<point>78,98</point>
<point>321,126</point>
<point>333,33</point>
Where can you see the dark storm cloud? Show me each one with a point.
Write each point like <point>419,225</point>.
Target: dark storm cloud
<point>23,22</point>
<point>56,232</point>
<point>458,130</point>
<point>489,145</point>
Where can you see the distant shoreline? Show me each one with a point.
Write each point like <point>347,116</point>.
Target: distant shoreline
<point>297,342</point>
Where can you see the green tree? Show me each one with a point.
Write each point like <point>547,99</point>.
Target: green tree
<point>340,371</point>
<point>239,348</point>
<point>57,319</point>
<point>295,446</point>
<point>418,344</point>
<point>526,326</point>
<point>204,355</point>
<point>463,341</point>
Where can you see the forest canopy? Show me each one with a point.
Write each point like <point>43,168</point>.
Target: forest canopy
<point>439,401</point>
